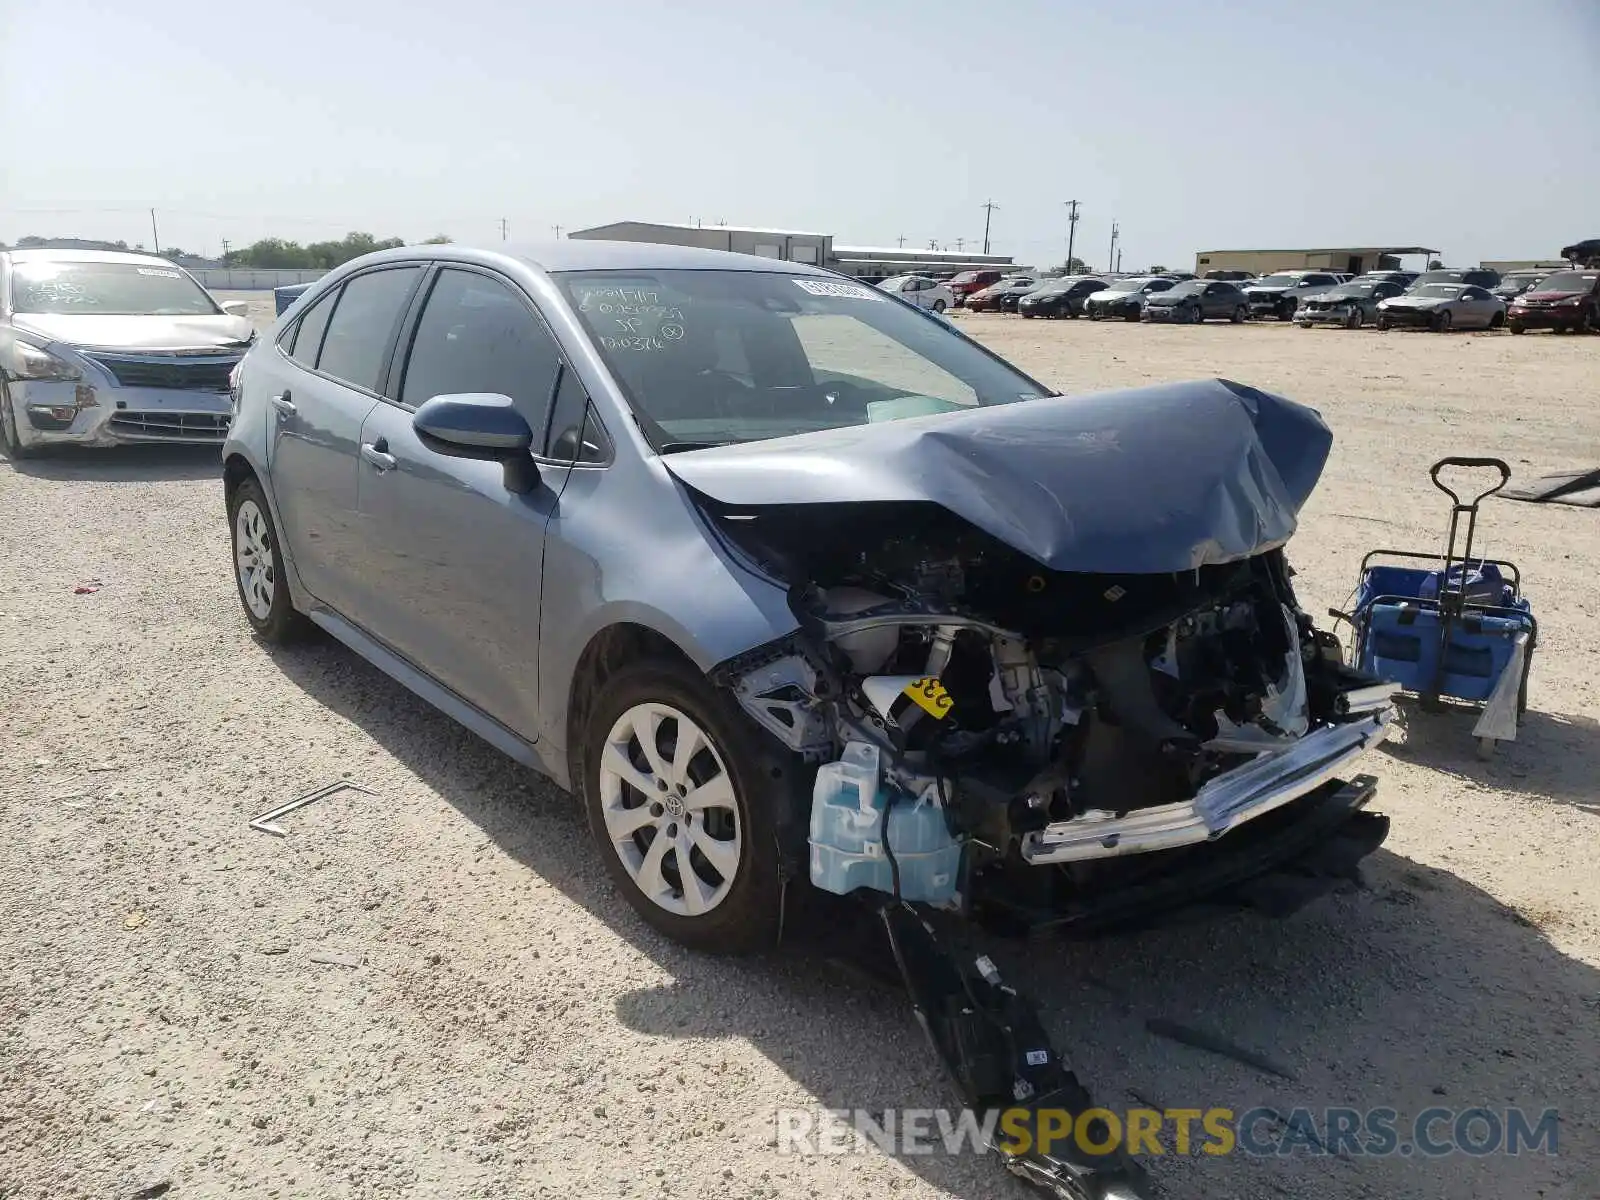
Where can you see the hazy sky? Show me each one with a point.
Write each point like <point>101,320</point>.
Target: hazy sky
<point>1471,125</point>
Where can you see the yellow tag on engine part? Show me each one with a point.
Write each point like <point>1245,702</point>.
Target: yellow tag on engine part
<point>929,695</point>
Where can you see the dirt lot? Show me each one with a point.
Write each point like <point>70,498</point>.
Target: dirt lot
<point>433,991</point>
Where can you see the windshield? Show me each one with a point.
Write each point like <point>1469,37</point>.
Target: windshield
<point>107,289</point>
<point>1439,277</point>
<point>1354,290</point>
<point>1189,287</point>
<point>894,283</point>
<point>1278,281</point>
<point>968,277</point>
<point>1126,285</point>
<point>1570,281</point>
<point>1440,290</point>
<point>710,357</point>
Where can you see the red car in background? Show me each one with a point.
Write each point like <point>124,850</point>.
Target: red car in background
<point>964,284</point>
<point>1567,300</point>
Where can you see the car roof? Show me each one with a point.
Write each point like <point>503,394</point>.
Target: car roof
<point>100,256</point>
<point>584,254</point>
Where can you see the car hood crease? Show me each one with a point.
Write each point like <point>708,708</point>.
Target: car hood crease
<point>1148,480</point>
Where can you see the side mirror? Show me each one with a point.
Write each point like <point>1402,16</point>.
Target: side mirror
<point>236,308</point>
<point>480,425</point>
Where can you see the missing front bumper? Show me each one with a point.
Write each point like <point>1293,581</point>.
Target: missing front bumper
<point>1244,794</point>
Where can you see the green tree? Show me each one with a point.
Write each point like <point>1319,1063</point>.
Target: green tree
<point>1076,266</point>
<point>1157,271</point>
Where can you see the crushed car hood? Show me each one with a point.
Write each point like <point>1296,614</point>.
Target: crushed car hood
<point>1150,480</point>
<point>220,332</point>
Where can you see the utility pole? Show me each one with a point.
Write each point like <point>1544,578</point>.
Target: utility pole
<point>154,236</point>
<point>557,228</point>
<point>502,229</point>
<point>1072,230</point>
<point>1111,256</point>
<point>933,243</point>
<point>902,240</point>
<point>1119,262</point>
<point>961,244</point>
<point>224,249</point>
<point>988,211</point>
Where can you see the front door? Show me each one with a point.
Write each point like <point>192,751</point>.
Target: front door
<point>319,397</point>
<point>451,560</point>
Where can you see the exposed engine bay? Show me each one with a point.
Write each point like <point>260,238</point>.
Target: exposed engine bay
<point>1048,718</point>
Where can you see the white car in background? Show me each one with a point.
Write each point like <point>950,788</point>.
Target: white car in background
<point>921,291</point>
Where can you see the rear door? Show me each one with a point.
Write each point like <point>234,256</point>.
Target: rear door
<point>450,559</point>
<point>335,354</point>
<point>1479,307</point>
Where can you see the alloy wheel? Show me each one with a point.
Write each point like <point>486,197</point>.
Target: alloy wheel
<point>670,813</point>
<point>254,560</point>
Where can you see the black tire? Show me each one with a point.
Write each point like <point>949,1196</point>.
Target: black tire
<point>9,441</point>
<point>1286,310</point>
<point>1441,321</point>
<point>1240,314</point>
<point>1517,327</point>
<point>280,623</point>
<point>1384,323</point>
<point>1092,313</point>
<point>1134,316</point>
<point>747,918</point>
<point>1356,319</point>
<point>1497,321</point>
<point>938,306</point>
<point>1585,322</point>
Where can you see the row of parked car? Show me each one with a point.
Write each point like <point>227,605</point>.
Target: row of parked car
<point>1441,299</point>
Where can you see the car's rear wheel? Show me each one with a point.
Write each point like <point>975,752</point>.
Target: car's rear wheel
<point>680,806</point>
<point>1385,323</point>
<point>10,438</point>
<point>1518,327</point>
<point>1356,318</point>
<point>258,568</point>
<point>938,306</point>
<point>1442,321</point>
<point>1585,321</point>
<point>1240,314</point>
<point>1496,321</point>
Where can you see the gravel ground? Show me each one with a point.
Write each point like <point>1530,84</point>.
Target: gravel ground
<point>433,991</point>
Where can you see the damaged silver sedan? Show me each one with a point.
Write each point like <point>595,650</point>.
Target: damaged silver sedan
<point>101,348</point>
<point>796,585</point>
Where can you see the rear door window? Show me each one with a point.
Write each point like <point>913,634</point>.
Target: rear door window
<point>363,326</point>
<point>306,340</point>
<point>477,335</point>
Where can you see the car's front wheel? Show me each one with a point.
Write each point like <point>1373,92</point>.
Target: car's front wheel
<point>680,804</point>
<point>1442,321</point>
<point>10,437</point>
<point>258,567</point>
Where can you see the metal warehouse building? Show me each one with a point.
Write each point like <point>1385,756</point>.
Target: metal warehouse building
<point>866,262</point>
<point>1355,259</point>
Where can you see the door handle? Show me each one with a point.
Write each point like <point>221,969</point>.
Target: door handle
<point>283,404</point>
<point>377,453</point>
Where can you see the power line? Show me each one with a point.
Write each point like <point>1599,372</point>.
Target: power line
<point>988,211</point>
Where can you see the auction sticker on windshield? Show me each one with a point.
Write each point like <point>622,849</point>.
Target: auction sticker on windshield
<point>845,291</point>
<point>156,271</point>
